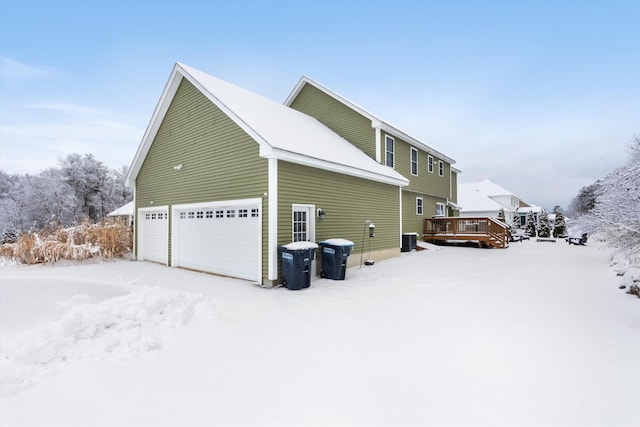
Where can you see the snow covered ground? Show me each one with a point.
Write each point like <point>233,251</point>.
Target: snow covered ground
<point>537,334</point>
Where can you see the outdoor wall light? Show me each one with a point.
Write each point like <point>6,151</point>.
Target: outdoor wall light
<point>321,214</point>
<point>178,167</point>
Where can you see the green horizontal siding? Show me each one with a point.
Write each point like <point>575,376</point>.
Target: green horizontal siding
<point>425,182</point>
<point>348,202</point>
<point>412,222</point>
<point>219,160</point>
<point>341,119</point>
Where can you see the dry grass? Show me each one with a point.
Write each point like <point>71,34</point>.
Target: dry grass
<point>108,239</point>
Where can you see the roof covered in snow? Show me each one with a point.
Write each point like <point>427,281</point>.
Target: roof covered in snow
<point>374,119</point>
<point>282,132</point>
<point>488,188</point>
<point>471,199</point>
<point>123,210</point>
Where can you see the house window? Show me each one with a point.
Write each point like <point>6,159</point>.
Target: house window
<point>199,214</point>
<point>440,168</point>
<point>183,215</point>
<point>300,226</point>
<point>414,161</point>
<point>439,209</point>
<point>255,213</point>
<point>209,214</point>
<point>191,215</point>
<point>430,164</point>
<point>418,205</point>
<point>231,213</point>
<point>220,214</point>
<point>389,149</point>
<point>242,213</point>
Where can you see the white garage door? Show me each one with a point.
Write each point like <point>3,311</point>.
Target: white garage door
<point>153,234</point>
<point>222,238</point>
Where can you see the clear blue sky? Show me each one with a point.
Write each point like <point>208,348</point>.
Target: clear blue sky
<point>542,97</point>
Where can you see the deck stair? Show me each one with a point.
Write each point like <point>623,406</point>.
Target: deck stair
<point>485,231</point>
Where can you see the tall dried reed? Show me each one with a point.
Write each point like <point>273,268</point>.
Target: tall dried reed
<point>108,239</point>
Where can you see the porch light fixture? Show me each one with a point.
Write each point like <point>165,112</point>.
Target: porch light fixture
<point>178,167</point>
<point>321,214</point>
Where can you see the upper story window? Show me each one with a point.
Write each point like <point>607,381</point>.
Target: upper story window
<point>430,164</point>
<point>389,150</point>
<point>418,205</point>
<point>414,161</point>
<point>439,209</point>
<point>440,168</point>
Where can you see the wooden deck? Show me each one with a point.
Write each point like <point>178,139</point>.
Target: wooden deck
<point>485,231</point>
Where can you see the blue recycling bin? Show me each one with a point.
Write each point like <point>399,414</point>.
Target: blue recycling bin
<point>296,260</point>
<point>334,258</point>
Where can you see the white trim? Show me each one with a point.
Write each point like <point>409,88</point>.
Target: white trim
<point>421,205</point>
<point>311,210</point>
<point>216,204</point>
<point>376,125</point>
<point>411,151</point>
<point>384,126</point>
<point>335,167</point>
<point>430,167</point>
<point>140,226</point>
<point>393,153</point>
<point>400,234</point>
<point>272,227</point>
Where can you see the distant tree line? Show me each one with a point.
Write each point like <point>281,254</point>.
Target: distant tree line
<point>78,187</point>
<point>611,206</point>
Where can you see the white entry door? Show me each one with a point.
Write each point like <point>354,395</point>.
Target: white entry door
<point>303,227</point>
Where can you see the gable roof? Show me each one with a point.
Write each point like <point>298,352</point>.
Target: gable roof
<point>490,188</point>
<point>375,120</point>
<point>472,199</point>
<point>282,132</point>
<point>477,196</point>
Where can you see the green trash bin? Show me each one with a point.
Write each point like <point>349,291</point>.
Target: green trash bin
<point>334,258</point>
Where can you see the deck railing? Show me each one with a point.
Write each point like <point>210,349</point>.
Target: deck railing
<point>488,230</point>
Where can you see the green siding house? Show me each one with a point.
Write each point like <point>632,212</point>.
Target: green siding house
<point>432,190</point>
<point>222,177</point>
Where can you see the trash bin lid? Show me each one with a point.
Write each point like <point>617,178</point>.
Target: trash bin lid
<point>410,234</point>
<point>293,246</point>
<point>337,242</point>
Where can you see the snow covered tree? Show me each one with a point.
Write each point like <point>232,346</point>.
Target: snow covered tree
<point>560,226</point>
<point>80,186</point>
<point>86,176</point>
<point>616,214</point>
<point>501,216</point>
<point>530,228</point>
<point>544,228</point>
<point>585,201</point>
<point>515,223</point>
<point>10,234</point>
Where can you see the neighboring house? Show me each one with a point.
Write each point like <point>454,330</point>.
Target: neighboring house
<point>433,180</point>
<point>223,176</point>
<point>525,209</point>
<point>485,199</point>
<point>124,213</point>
